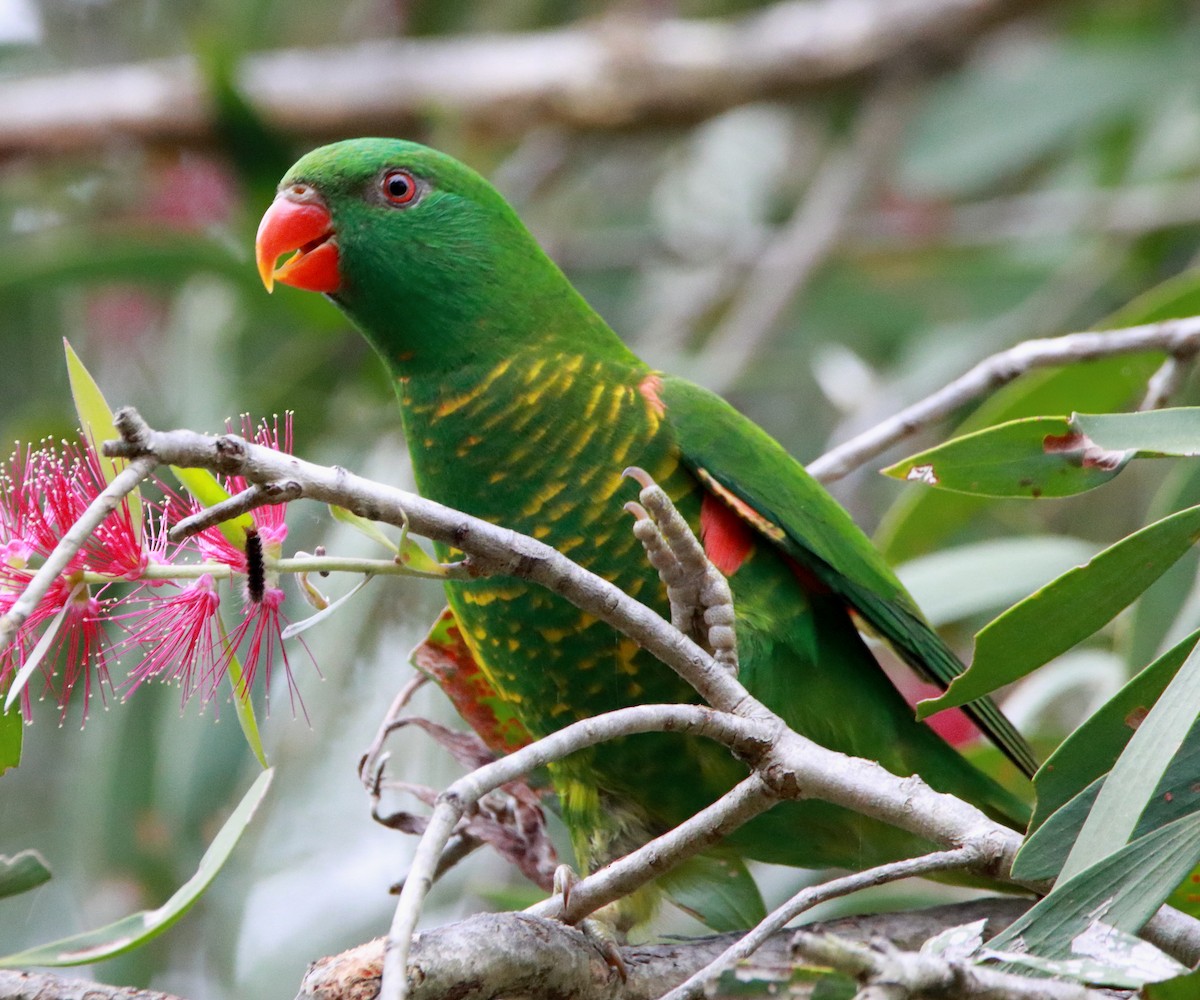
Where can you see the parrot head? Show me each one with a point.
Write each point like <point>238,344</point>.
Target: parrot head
<point>417,249</point>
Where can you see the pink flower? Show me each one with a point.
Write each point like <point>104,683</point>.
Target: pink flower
<point>178,637</point>
<point>263,625</point>
<point>43,494</point>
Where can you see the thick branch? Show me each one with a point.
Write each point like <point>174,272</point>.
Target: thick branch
<point>492,955</point>
<point>46,986</point>
<point>615,72</point>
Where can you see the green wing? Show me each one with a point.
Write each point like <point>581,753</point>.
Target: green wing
<point>744,466</point>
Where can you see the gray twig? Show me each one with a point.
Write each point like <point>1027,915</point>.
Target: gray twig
<point>1175,337</point>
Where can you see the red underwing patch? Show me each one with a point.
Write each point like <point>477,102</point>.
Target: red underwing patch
<point>727,540</point>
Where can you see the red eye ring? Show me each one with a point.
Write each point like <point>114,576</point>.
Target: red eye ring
<point>398,187</point>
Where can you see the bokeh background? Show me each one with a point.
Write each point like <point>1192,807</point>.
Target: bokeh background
<point>865,201</point>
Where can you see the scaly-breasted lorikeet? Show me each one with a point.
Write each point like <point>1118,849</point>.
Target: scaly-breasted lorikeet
<point>521,406</point>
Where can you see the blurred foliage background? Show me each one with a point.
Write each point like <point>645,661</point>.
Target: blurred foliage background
<point>820,253</point>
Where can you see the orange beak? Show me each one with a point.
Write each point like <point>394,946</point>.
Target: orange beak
<point>307,228</point>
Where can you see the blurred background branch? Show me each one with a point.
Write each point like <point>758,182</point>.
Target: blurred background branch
<point>623,69</point>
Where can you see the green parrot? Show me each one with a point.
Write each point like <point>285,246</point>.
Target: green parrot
<point>521,406</point>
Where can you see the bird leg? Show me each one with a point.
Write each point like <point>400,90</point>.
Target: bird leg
<point>699,595</point>
<point>598,931</point>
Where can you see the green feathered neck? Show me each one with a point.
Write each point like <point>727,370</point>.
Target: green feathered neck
<point>454,280</point>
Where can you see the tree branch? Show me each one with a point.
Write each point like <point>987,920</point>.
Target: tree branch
<point>46,986</point>
<point>1177,337</point>
<point>806,899</point>
<point>617,72</point>
<point>474,959</point>
<point>790,765</point>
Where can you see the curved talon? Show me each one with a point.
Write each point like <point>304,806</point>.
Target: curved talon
<point>642,477</point>
<point>637,510</point>
<point>564,878</point>
<point>602,938</point>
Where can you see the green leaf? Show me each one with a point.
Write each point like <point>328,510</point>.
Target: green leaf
<point>1108,957</point>
<point>1069,609</point>
<point>1123,891</point>
<point>1138,771</point>
<point>966,580</point>
<point>1046,848</point>
<point>1185,987</point>
<point>12,732</point>
<point>920,519</point>
<point>1150,434</point>
<point>96,424</point>
<point>1029,458</point>
<point>22,872</point>
<point>1090,751</point>
<point>718,891</point>
<point>203,485</point>
<point>243,704</point>
<point>138,928</point>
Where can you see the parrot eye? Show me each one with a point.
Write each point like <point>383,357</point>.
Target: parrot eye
<point>398,187</point>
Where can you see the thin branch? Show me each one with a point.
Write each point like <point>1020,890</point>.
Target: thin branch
<point>615,72</point>
<point>747,799</point>
<point>1175,337</point>
<point>1168,380</point>
<point>809,897</point>
<point>452,803</point>
<point>109,499</point>
<point>370,764</point>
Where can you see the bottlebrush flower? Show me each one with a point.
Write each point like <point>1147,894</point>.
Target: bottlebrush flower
<point>172,626</point>
<point>177,636</point>
<point>41,494</point>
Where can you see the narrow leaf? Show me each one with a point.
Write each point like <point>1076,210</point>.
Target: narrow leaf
<point>243,707</point>
<point>1044,851</point>
<point>1090,751</point>
<point>22,872</point>
<point>364,527</point>
<point>203,485</point>
<point>1069,609</point>
<point>1123,891</point>
<point>134,930</point>
<point>1138,771</point>
<point>1149,434</point>
<point>96,423</point>
<point>1105,957</point>
<point>1031,458</point>
<point>12,732</point>
<point>718,891</point>
<point>1185,987</point>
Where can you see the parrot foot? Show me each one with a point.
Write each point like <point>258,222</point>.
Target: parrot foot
<point>700,598</point>
<point>599,932</point>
